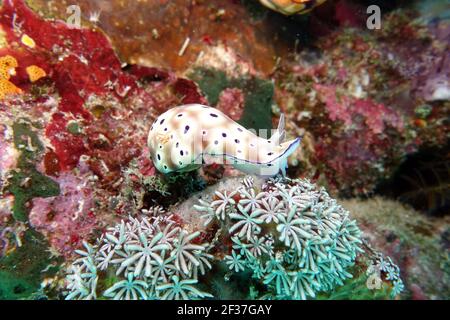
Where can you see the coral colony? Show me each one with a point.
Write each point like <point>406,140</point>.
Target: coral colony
<point>181,138</point>
<point>290,236</point>
<point>136,174</point>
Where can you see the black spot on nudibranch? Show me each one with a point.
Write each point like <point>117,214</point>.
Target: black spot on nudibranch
<point>270,153</point>
<point>165,167</point>
<point>176,146</point>
<point>204,132</point>
<point>216,142</point>
<point>165,129</point>
<point>181,152</point>
<point>239,129</point>
<point>179,115</point>
<point>236,140</point>
<point>213,115</point>
<point>186,129</point>
<point>162,121</point>
<point>181,163</point>
<point>159,157</point>
<point>224,135</point>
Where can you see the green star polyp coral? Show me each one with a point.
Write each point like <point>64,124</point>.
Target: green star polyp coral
<point>151,257</point>
<point>294,237</point>
<point>287,235</point>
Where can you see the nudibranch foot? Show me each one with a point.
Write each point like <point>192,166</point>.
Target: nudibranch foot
<point>187,136</point>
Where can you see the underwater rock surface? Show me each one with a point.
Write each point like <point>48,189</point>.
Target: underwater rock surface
<point>418,245</point>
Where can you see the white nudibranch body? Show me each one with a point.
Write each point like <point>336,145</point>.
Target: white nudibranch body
<point>185,137</point>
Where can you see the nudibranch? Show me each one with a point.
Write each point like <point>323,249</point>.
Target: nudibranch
<point>289,7</point>
<point>185,137</point>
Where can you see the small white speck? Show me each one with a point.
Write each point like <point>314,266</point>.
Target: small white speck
<point>184,46</point>
<point>94,16</point>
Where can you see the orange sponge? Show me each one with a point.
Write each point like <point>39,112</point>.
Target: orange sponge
<point>35,73</point>
<point>7,87</point>
<point>8,64</point>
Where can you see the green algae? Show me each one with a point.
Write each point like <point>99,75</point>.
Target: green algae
<point>26,182</point>
<point>423,111</point>
<point>74,128</point>
<point>21,271</point>
<point>258,95</point>
<point>156,183</point>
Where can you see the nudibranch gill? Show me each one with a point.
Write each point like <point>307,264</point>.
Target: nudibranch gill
<point>185,137</point>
